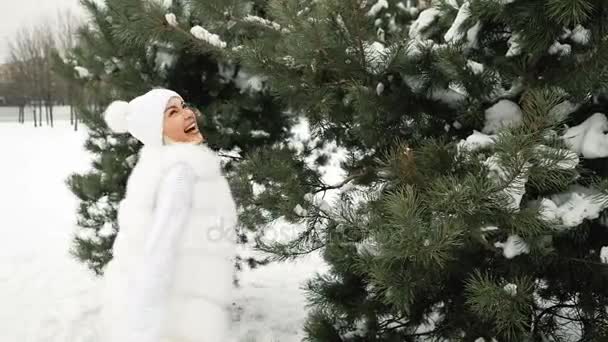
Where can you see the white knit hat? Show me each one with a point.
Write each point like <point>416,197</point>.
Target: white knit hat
<point>142,117</point>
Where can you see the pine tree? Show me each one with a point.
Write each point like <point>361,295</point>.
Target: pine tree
<point>473,147</point>
<point>236,113</point>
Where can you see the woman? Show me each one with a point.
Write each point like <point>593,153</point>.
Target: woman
<point>172,269</point>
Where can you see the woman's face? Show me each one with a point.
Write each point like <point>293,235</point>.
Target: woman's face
<point>180,122</point>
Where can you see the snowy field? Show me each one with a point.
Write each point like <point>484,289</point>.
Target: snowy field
<point>47,296</point>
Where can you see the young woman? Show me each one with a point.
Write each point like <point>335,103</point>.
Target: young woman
<point>172,268</point>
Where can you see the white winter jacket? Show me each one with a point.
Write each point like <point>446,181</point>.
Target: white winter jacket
<point>171,275</point>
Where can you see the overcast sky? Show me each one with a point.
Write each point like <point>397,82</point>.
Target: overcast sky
<point>17,13</point>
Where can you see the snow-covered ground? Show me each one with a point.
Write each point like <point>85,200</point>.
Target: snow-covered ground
<point>47,296</point>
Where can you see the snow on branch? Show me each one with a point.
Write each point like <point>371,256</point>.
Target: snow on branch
<point>513,247</point>
<point>570,208</point>
<point>211,38</point>
<point>377,7</point>
<point>511,181</point>
<point>265,22</point>
<point>588,139</point>
<point>171,19</point>
<point>82,72</point>
<point>423,22</point>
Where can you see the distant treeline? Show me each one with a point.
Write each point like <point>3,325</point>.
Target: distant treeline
<point>28,77</point>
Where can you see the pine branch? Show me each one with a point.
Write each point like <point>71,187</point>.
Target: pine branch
<point>221,154</point>
<point>552,308</point>
<point>342,183</point>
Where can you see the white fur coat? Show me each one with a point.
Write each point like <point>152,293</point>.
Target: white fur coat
<point>178,289</point>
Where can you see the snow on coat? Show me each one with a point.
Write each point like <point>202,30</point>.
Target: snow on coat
<point>196,308</point>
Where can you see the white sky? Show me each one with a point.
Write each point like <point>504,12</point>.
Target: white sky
<point>15,14</point>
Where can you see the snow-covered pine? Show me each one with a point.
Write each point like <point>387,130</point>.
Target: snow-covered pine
<point>511,289</point>
<point>455,33</point>
<point>475,67</point>
<point>560,49</point>
<point>568,159</point>
<point>425,19</point>
<point>257,133</point>
<point>380,34</point>
<point>569,209</point>
<point>377,7</point>
<point>488,229</point>
<point>504,113</point>
<point>107,230</point>
<point>379,88</point>
<point>211,38</point>
<point>604,254</point>
<point>476,141</point>
<point>409,8</point>
<point>131,160</point>
<point>451,96</point>
<point>246,82</point>
<point>88,234</point>
<point>257,188</point>
<point>513,247</point>
<point>299,210</point>
<point>515,187</point>
<point>561,111</point>
<point>588,138</point>
<point>82,72</point>
<point>164,60</point>
<point>171,19</point>
<point>514,46</point>
<point>374,53</point>
<point>264,22</point>
<point>580,35</point>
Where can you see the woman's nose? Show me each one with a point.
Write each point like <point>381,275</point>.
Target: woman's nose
<point>188,113</point>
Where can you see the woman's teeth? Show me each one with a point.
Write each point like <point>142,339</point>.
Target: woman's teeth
<point>190,129</point>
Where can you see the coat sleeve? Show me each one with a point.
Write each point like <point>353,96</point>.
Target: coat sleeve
<point>151,279</point>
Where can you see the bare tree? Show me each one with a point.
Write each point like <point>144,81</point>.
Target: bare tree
<point>67,28</point>
<point>32,70</point>
<point>24,57</point>
<point>48,79</point>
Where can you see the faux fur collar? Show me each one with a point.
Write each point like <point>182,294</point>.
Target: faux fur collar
<point>204,161</point>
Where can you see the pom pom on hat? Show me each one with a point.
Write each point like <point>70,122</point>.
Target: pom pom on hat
<point>116,116</point>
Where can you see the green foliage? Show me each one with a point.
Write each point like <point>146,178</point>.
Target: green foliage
<point>416,254</point>
<point>506,306</point>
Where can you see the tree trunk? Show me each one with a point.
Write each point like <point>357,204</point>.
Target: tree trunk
<point>51,113</point>
<point>40,113</point>
<point>35,121</point>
